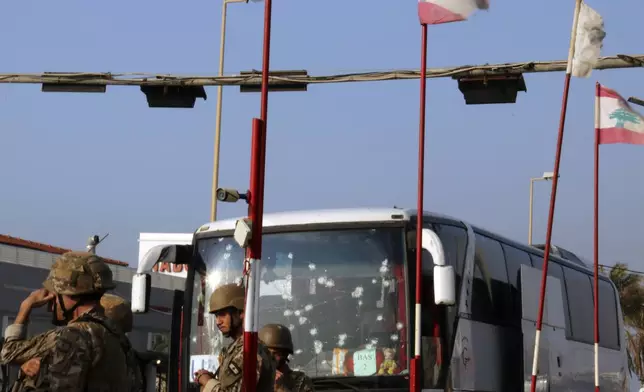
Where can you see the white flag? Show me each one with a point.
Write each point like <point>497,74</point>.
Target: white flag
<point>588,41</point>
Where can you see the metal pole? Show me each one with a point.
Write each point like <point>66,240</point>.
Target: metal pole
<point>254,254</point>
<point>531,208</point>
<point>256,207</point>
<point>220,88</point>
<point>415,368</point>
<point>266,61</point>
<point>553,198</point>
<point>596,238</point>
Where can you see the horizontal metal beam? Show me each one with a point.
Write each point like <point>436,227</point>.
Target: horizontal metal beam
<point>139,79</point>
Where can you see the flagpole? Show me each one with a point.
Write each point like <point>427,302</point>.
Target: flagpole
<point>256,213</point>
<point>553,196</point>
<point>415,365</point>
<point>596,237</point>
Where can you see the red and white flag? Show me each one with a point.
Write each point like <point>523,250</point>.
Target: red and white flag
<point>446,11</point>
<point>616,120</point>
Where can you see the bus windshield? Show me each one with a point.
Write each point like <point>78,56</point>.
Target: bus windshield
<point>341,293</point>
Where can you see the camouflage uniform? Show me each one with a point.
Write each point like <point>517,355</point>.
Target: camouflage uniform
<point>228,377</point>
<point>294,381</point>
<point>119,310</point>
<point>90,352</point>
<point>278,337</point>
<point>16,350</point>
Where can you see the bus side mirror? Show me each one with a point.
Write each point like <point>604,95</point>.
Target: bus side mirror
<point>444,285</point>
<point>142,280</point>
<point>141,287</point>
<point>444,278</point>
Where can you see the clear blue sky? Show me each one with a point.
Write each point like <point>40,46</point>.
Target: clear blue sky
<point>77,164</point>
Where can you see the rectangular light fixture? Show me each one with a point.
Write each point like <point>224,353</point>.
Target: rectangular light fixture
<point>480,90</point>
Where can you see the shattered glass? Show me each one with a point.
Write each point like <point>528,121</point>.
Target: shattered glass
<point>338,291</point>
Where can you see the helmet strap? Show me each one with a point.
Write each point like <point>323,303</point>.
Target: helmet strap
<point>283,361</point>
<point>236,323</point>
<point>285,356</point>
<point>68,314</point>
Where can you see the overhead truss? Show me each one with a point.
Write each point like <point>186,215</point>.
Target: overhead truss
<point>301,78</point>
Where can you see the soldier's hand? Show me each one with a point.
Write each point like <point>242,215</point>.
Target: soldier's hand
<point>203,376</point>
<point>38,298</point>
<point>31,367</point>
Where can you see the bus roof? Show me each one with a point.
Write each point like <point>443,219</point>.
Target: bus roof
<point>343,215</point>
<point>355,215</point>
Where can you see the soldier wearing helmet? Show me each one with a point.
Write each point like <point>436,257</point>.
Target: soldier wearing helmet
<point>31,352</point>
<point>280,343</point>
<point>88,350</point>
<point>227,304</point>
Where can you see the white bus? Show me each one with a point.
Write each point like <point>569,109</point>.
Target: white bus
<point>343,282</point>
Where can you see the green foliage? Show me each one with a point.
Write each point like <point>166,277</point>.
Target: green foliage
<point>631,296</point>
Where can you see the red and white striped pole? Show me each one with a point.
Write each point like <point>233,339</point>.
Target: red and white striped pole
<point>251,317</point>
<point>256,212</point>
<point>596,237</point>
<point>553,197</point>
<point>415,365</point>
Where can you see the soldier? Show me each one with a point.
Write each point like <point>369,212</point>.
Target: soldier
<point>227,304</point>
<point>87,351</point>
<point>116,309</point>
<point>280,343</point>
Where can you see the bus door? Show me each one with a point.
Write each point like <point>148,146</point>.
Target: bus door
<point>553,321</point>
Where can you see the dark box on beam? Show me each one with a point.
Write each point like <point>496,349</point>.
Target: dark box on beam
<point>481,90</point>
<point>173,96</point>
<point>73,88</point>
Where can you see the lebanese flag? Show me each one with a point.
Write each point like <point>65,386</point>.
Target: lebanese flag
<point>446,11</point>
<point>616,121</point>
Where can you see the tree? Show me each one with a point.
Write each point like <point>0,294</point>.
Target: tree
<point>631,297</point>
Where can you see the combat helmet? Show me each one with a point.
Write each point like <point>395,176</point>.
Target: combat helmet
<point>118,310</point>
<point>276,336</point>
<point>227,296</point>
<point>79,273</point>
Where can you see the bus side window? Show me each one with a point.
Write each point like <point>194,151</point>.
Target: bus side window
<point>454,241</point>
<point>608,325</point>
<point>580,298</point>
<point>537,261</point>
<point>515,258</point>
<point>490,297</point>
<point>554,270</point>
